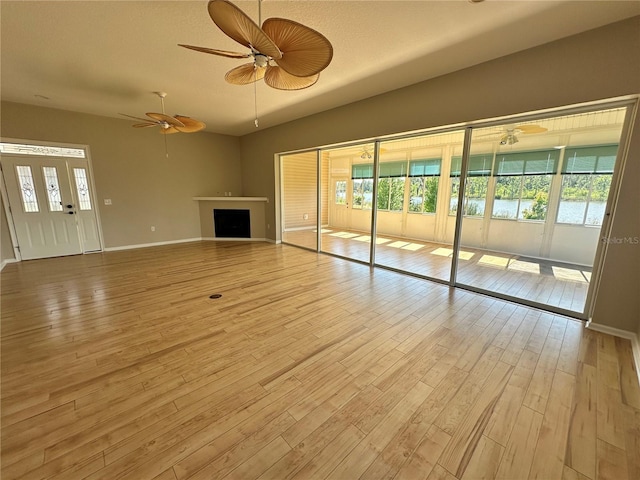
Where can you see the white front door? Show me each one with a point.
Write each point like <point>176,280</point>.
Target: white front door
<point>47,211</point>
<point>85,212</point>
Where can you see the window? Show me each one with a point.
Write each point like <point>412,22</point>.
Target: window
<point>362,176</point>
<point>522,184</point>
<point>27,189</point>
<point>423,187</point>
<point>45,150</point>
<point>391,180</point>
<point>586,180</point>
<point>341,192</point>
<point>475,195</point>
<point>82,187</point>
<point>53,188</point>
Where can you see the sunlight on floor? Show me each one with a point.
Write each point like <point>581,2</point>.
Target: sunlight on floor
<point>493,261</point>
<point>344,235</point>
<point>414,247</point>
<point>398,244</point>
<point>522,266</point>
<point>448,252</point>
<point>570,274</point>
<point>382,241</point>
<point>363,238</point>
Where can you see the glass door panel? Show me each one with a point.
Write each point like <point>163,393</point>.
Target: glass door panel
<point>300,199</point>
<point>349,186</point>
<point>534,204</point>
<point>416,211</point>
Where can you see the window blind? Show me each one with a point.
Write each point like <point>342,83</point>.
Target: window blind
<point>429,167</point>
<point>543,162</point>
<point>479,165</point>
<point>588,160</point>
<point>364,170</point>
<point>392,169</point>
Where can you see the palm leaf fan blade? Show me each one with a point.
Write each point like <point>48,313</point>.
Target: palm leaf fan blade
<point>190,125</point>
<point>531,128</point>
<point>244,74</point>
<point>238,26</point>
<point>213,51</point>
<point>161,117</point>
<point>305,52</point>
<point>278,78</point>
<point>169,130</point>
<point>146,120</point>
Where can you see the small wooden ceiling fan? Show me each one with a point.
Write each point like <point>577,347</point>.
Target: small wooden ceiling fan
<point>287,54</point>
<point>167,123</point>
<point>509,134</point>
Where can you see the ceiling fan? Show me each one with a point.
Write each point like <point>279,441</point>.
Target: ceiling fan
<point>167,123</point>
<point>286,54</point>
<point>510,132</point>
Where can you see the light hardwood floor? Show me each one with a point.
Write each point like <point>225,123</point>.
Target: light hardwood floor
<point>119,366</point>
<point>546,282</point>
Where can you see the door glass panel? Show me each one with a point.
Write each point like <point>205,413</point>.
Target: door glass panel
<point>340,197</point>
<point>300,199</point>
<point>82,187</point>
<point>349,172</point>
<point>53,188</point>
<point>27,189</point>
<point>414,228</point>
<point>544,201</point>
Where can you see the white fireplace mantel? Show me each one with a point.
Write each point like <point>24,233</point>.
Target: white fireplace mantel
<point>232,199</point>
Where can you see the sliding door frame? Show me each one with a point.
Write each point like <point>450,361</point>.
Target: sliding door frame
<point>631,105</point>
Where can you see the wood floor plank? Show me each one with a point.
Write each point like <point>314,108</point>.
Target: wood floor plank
<point>548,460</point>
<point>359,459</point>
<point>118,365</point>
<point>425,457</point>
<point>581,447</point>
<point>485,460</point>
<point>612,463</point>
<point>629,387</point>
<point>457,454</point>
<point>518,456</point>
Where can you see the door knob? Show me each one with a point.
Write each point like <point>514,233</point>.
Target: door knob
<point>71,213</point>
<point>69,206</point>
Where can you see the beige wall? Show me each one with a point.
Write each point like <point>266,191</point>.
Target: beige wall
<point>6,248</point>
<point>299,179</point>
<point>595,65</point>
<point>130,168</point>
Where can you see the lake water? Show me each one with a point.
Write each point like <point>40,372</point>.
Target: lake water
<point>569,212</point>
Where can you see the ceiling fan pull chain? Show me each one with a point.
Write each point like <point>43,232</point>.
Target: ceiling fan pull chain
<point>255,96</point>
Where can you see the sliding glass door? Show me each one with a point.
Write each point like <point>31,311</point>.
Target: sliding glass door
<point>536,198</point>
<point>349,189</point>
<point>519,205</point>
<point>415,217</point>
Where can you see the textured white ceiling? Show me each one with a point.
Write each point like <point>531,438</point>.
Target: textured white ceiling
<point>106,57</point>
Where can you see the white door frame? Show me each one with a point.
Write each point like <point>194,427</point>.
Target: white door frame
<point>5,197</point>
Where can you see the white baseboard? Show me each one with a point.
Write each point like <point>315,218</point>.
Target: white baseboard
<point>616,332</point>
<point>155,244</point>
<point>216,239</point>
<point>7,262</point>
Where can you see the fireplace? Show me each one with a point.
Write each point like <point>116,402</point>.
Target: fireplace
<point>232,223</point>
